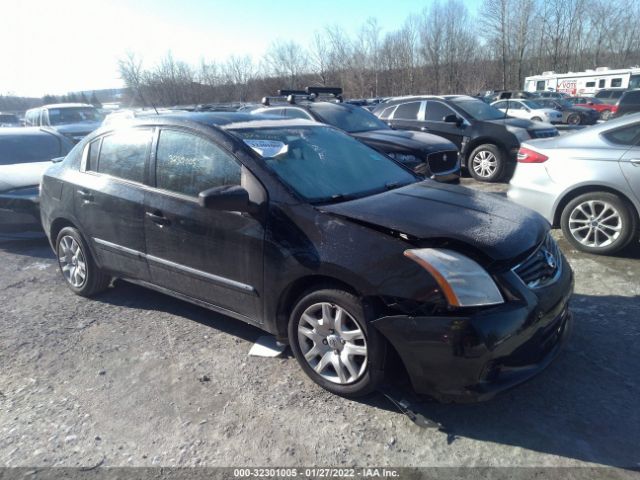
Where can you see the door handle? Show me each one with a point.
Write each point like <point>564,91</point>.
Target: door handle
<point>158,218</point>
<point>635,162</point>
<point>86,195</point>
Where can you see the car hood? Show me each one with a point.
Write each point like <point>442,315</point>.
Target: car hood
<point>21,175</point>
<point>432,211</point>
<point>405,139</point>
<point>77,128</point>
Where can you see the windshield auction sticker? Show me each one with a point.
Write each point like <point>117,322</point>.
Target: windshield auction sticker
<point>268,148</point>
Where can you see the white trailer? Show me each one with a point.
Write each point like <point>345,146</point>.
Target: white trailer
<point>584,83</point>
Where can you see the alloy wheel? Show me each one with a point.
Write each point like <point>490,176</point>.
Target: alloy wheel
<point>484,163</point>
<point>72,261</point>
<point>333,343</point>
<point>595,223</point>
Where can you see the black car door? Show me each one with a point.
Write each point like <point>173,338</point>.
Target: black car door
<point>109,197</point>
<point>435,113</point>
<point>212,256</point>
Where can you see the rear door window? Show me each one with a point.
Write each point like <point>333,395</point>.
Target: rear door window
<point>436,111</point>
<point>124,154</point>
<point>189,164</point>
<point>407,111</point>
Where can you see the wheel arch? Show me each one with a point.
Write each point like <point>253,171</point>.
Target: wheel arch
<point>570,195</point>
<point>56,226</point>
<point>476,142</point>
<point>297,288</point>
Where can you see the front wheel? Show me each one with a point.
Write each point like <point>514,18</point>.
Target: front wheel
<point>536,119</point>
<point>335,345</point>
<point>77,265</point>
<point>598,222</point>
<point>486,163</point>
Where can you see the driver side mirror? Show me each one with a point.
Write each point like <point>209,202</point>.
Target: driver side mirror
<point>452,118</point>
<point>230,198</point>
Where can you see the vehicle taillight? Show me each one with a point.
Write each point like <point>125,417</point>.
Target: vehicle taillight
<point>526,155</point>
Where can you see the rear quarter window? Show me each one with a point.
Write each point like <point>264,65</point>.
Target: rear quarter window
<point>124,154</point>
<point>23,148</point>
<point>627,136</point>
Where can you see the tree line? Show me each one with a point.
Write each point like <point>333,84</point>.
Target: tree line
<point>442,49</point>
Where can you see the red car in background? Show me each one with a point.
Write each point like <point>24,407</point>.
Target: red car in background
<point>604,109</point>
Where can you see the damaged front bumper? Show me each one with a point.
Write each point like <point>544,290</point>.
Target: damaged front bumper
<point>473,357</point>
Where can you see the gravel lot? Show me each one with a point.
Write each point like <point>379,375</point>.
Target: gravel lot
<point>136,378</point>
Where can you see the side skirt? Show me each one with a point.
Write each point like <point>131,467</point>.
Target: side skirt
<point>195,301</point>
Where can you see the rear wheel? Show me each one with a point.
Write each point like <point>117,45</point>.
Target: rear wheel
<point>598,222</point>
<point>574,119</point>
<point>335,345</point>
<point>486,163</point>
<point>605,115</point>
<point>77,266</point>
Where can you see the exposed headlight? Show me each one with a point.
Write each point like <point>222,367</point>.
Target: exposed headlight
<point>520,133</point>
<point>403,158</point>
<point>463,282</point>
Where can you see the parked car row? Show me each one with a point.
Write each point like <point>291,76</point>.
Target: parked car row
<point>608,102</point>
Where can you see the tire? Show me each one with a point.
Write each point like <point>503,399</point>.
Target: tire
<point>603,238</point>
<point>364,371</point>
<point>536,119</point>
<point>494,167</point>
<point>605,115</point>
<point>77,266</point>
<point>574,119</point>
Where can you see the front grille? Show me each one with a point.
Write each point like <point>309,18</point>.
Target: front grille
<point>543,266</point>
<point>543,133</point>
<point>442,161</point>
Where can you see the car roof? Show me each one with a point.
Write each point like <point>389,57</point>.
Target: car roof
<point>66,105</point>
<point>224,120</point>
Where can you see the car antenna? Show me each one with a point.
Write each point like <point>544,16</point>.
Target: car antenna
<point>144,102</point>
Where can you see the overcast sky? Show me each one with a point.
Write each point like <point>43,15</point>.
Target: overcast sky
<point>56,46</point>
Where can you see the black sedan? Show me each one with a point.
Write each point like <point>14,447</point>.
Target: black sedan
<point>25,153</point>
<point>428,155</point>
<point>305,232</point>
<point>571,114</point>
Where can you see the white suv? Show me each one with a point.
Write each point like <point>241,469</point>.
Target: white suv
<point>529,109</point>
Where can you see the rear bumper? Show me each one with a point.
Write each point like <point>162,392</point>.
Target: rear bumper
<point>471,358</point>
<point>532,187</point>
<point>19,213</point>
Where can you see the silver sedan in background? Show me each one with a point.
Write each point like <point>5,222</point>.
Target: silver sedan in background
<point>586,182</point>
